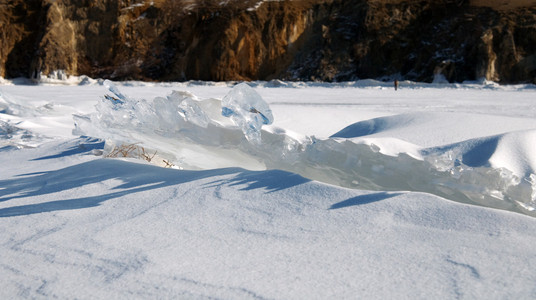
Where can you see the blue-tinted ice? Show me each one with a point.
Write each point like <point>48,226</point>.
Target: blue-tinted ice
<point>192,134</point>
<point>247,110</point>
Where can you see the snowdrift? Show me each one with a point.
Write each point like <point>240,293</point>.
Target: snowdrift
<point>74,225</point>
<point>193,134</point>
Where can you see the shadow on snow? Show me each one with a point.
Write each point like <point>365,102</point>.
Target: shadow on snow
<point>81,145</point>
<point>364,199</point>
<point>135,178</point>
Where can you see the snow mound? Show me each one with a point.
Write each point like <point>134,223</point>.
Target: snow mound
<point>191,133</point>
<point>382,124</point>
<point>507,161</point>
<point>512,151</point>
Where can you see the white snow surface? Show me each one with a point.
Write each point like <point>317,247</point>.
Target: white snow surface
<point>349,193</point>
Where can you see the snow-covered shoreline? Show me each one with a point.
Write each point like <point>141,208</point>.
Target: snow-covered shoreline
<point>59,77</point>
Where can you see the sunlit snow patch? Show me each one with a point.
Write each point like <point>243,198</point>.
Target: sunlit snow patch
<point>190,133</point>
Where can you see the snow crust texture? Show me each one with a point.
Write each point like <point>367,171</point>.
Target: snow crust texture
<point>195,134</point>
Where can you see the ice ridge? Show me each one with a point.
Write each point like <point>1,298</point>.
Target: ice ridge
<point>197,133</point>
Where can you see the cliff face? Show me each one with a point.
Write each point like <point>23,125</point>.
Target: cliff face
<point>417,40</point>
<point>247,40</point>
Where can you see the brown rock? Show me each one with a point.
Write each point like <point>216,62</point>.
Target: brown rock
<point>327,40</point>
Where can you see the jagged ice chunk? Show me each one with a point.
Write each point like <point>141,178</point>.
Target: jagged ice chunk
<point>246,108</point>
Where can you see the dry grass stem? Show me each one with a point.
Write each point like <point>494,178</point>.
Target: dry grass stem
<point>135,151</point>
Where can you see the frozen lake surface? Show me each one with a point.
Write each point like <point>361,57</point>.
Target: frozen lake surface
<point>354,190</point>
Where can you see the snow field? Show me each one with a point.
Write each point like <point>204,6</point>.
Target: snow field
<point>74,224</point>
<point>117,228</point>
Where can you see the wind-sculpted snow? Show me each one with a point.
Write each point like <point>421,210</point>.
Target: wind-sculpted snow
<point>194,133</point>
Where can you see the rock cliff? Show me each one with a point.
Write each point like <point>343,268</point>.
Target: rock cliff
<point>328,40</point>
